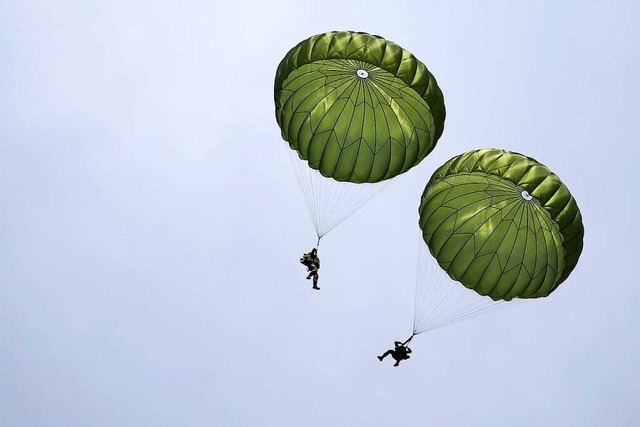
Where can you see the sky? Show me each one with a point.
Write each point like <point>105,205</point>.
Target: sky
<point>151,221</point>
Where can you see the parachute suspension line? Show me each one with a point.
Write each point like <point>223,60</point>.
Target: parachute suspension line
<point>408,340</point>
<point>440,300</point>
<point>304,181</point>
<point>329,201</point>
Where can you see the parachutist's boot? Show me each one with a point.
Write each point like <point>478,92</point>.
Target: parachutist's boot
<point>380,358</point>
<point>316,288</point>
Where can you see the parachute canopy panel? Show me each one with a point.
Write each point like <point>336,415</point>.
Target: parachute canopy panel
<point>502,224</point>
<point>357,107</point>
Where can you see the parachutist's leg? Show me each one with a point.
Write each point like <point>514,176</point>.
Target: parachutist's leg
<point>385,354</point>
<point>315,281</point>
<point>397,363</point>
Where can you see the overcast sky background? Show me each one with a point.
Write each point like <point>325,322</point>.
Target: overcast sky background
<point>151,222</point>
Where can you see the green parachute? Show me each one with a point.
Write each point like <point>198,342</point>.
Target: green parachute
<point>357,109</point>
<point>501,224</point>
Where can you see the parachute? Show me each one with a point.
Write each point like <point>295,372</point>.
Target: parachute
<point>500,224</point>
<point>357,110</point>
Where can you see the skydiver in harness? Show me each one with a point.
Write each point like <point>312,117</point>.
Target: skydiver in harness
<point>399,353</point>
<point>312,262</point>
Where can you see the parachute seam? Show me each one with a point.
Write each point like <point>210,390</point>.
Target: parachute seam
<point>353,85</point>
<point>493,256</point>
<point>519,206</point>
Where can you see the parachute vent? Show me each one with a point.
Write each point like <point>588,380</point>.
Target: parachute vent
<point>363,74</point>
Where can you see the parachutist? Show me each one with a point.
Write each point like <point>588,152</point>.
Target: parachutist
<point>399,353</point>
<point>312,262</point>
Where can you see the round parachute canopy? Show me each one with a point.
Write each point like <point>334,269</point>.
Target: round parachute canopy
<point>501,224</point>
<point>357,107</point>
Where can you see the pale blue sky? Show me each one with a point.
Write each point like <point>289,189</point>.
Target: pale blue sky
<point>151,223</point>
